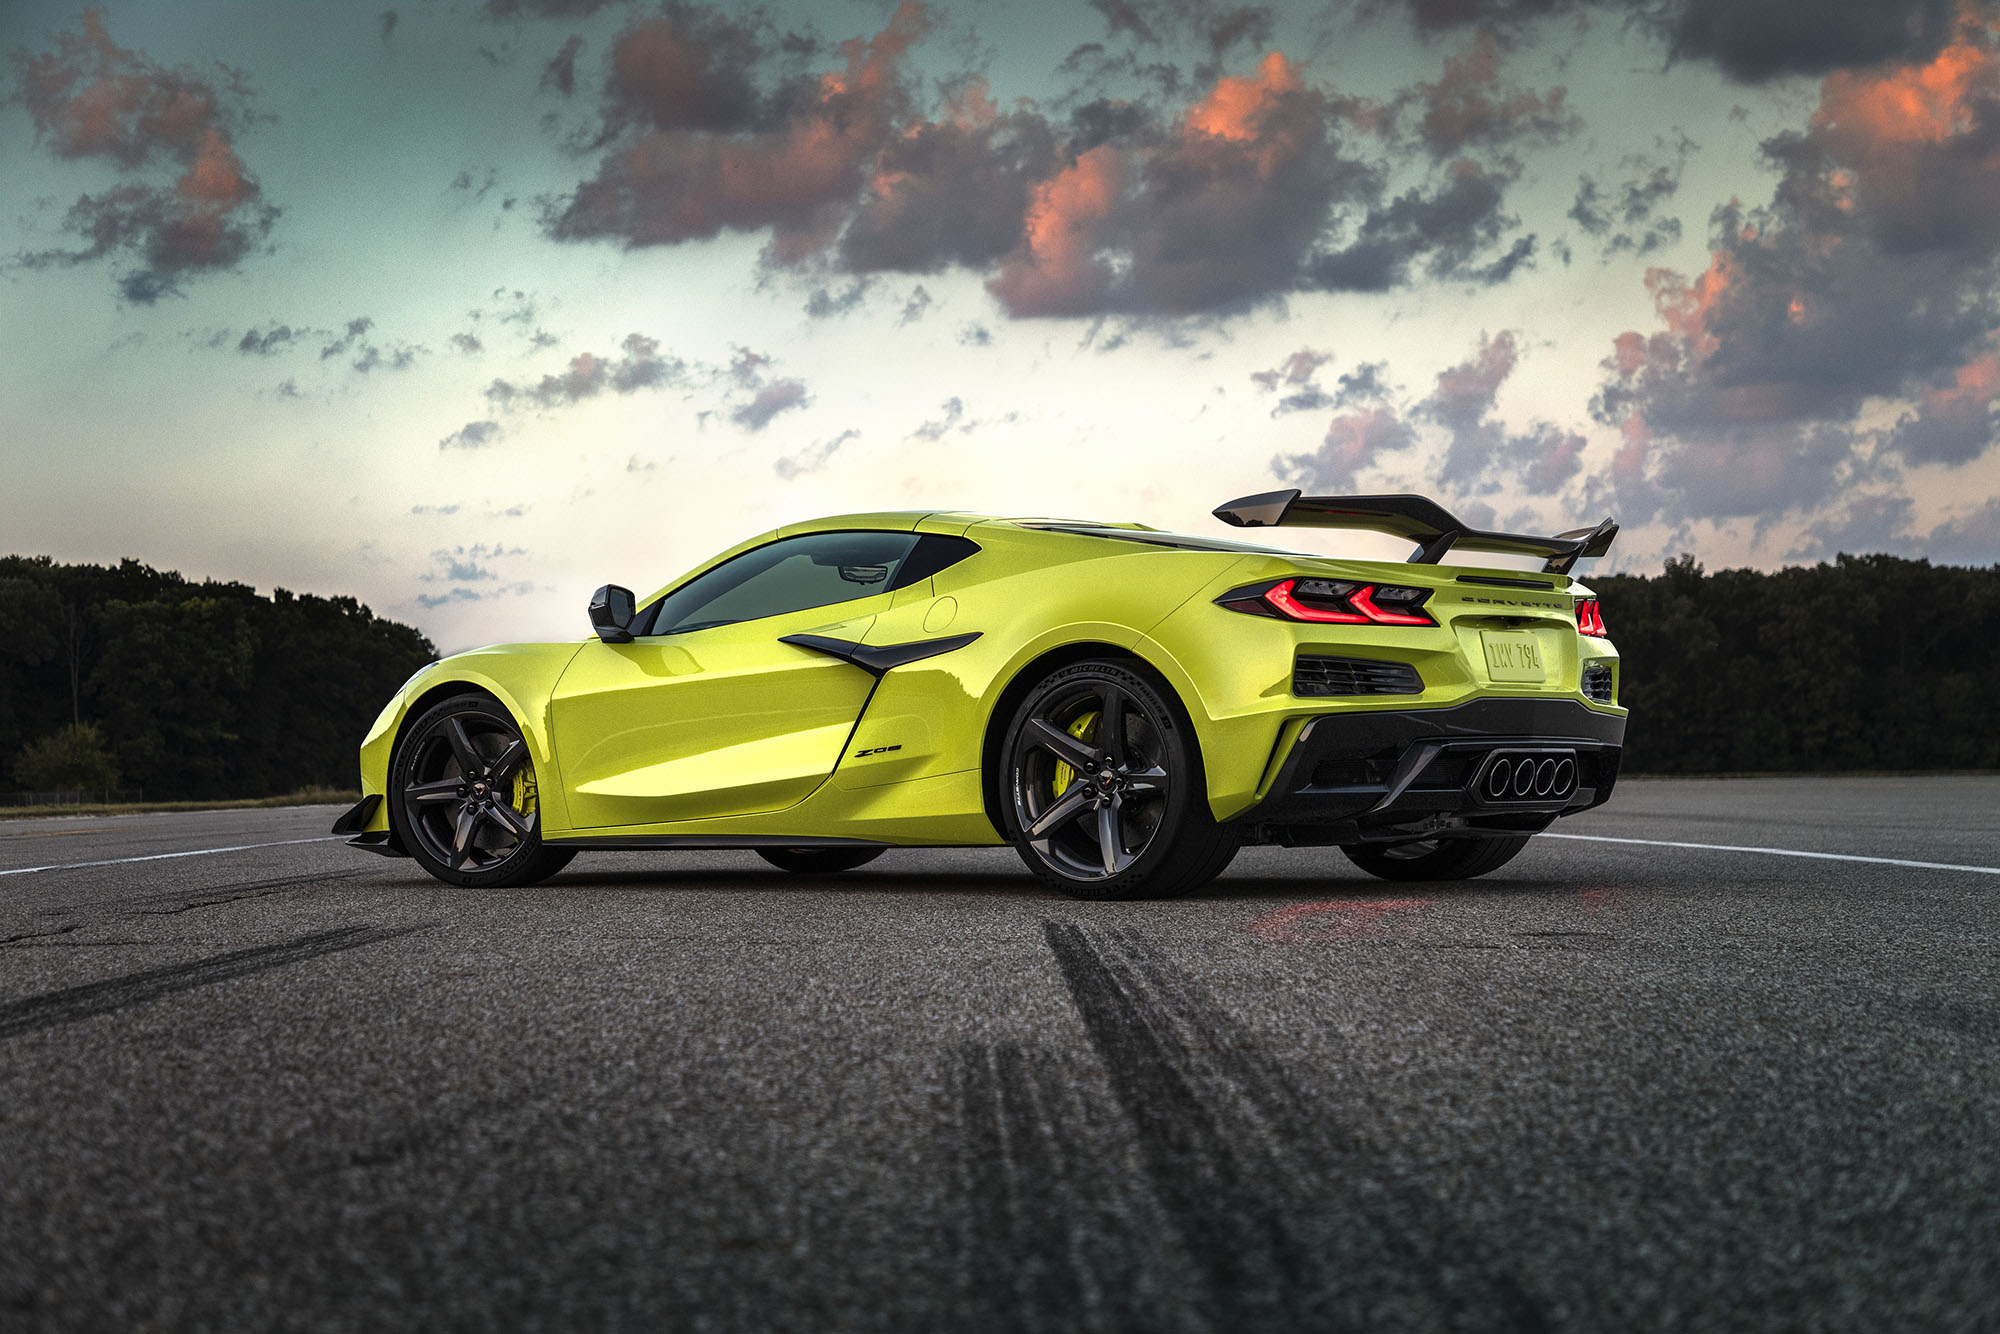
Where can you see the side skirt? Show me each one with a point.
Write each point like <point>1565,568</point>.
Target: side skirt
<point>704,842</point>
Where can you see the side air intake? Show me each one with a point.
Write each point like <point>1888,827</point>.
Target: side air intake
<point>1316,675</point>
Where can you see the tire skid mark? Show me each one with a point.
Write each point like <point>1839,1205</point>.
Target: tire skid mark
<point>1289,1214</point>
<point>54,1008</point>
<point>213,895</point>
<point>1048,1241</point>
<point>30,936</point>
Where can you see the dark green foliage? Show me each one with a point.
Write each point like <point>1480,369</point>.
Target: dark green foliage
<point>1872,662</point>
<point>70,759</point>
<point>201,690</point>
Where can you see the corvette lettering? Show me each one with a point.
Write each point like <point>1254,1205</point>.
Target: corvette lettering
<point>874,750</point>
<point>1512,602</point>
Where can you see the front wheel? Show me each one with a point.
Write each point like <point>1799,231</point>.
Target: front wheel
<point>463,797</point>
<point>1436,858</point>
<point>1102,789</point>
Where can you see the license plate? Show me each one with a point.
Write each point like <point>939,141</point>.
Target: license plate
<point>1512,655</point>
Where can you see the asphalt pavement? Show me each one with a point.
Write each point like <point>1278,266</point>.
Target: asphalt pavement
<point>1616,1085</point>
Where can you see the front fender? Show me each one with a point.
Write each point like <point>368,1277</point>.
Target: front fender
<point>521,676</point>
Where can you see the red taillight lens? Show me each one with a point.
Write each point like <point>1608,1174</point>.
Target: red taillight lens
<point>1590,618</point>
<point>1329,601</point>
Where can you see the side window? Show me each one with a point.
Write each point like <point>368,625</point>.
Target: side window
<point>792,574</point>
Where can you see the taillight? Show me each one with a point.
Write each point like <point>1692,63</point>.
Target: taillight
<point>1332,601</point>
<point>1590,619</point>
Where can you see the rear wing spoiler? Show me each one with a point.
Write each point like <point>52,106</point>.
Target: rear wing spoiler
<point>1417,519</point>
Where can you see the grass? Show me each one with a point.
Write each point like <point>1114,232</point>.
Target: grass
<point>305,796</point>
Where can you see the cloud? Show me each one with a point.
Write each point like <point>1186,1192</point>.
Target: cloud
<point>472,435</point>
<point>1443,231</point>
<point>825,304</point>
<point>267,342</point>
<point>1469,107</point>
<point>398,358</point>
<point>812,458</point>
<point>637,366</point>
<point>467,343</point>
<point>914,308</point>
<point>1867,523</point>
<point>1755,42</point>
<point>543,9</point>
<point>473,574</point>
<point>1295,375</point>
<point>1972,538</point>
<point>1353,441</point>
<point>184,204</point>
<point>560,73</point>
<point>1624,217</point>
<point>697,150</point>
<point>476,188</point>
<point>1362,384</point>
<point>954,412</point>
<point>950,191</point>
<point>1870,277</point>
<point>1250,186</point>
<point>347,338</point>
<point>1482,455</point>
<point>777,397</point>
<point>386,23</point>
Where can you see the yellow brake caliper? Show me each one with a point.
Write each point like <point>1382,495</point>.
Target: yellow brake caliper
<point>1080,729</point>
<point>523,795</point>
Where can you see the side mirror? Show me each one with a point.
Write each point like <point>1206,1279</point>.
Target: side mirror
<point>611,609</point>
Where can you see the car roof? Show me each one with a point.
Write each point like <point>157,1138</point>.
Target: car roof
<point>959,522</point>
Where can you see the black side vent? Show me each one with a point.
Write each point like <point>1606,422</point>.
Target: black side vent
<point>1314,675</point>
<point>1597,682</point>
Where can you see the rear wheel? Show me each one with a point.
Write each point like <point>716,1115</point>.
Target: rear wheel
<point>818,861</point>
<point>1102,788</point>
<point>464,800</point>
<point>1436,858</point>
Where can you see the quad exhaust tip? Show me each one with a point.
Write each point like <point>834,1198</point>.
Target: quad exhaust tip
<point>1529,776</point>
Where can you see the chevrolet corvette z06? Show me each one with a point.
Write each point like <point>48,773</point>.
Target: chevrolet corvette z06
<point>1126,707</point>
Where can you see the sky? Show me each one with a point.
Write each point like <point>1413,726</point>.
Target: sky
<point>466,308</point>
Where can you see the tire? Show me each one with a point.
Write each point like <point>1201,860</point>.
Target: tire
<point>819,861</point>
<point>463,798</point>
<point>1436,858</point>
<point>1108,812</point>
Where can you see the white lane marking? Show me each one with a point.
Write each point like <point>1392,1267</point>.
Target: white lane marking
<point>1782,852</point>
<point>162,856</point>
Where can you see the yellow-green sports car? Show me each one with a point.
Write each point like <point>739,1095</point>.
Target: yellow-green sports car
<point>1125,706</point>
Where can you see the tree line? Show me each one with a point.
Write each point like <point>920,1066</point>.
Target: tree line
<point>127,676</point>
<point>1871,662</point>
<point>132,676</point>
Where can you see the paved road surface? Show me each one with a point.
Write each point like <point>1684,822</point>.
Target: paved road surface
<point>1616,1085</point>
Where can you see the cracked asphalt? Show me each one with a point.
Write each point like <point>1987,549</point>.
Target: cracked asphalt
<point>1613,1086</point>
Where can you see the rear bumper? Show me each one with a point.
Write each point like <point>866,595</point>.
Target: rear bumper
<point>1363,776</point>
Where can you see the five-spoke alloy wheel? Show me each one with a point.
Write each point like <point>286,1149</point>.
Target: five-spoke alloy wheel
<point>463,797</point>
<point>1102,787</point>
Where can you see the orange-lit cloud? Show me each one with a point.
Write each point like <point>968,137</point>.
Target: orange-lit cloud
<point>91,98</point>
<point>1057,270</point>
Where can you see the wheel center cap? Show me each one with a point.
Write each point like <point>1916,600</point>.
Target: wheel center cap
<point>479,789</point>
